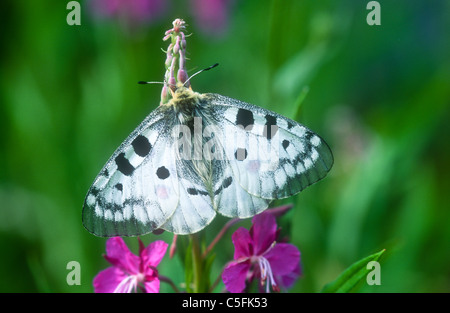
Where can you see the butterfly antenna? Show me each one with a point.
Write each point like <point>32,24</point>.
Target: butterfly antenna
<point>144,83</point>
<point>162,83</point>
<point>205,69</point>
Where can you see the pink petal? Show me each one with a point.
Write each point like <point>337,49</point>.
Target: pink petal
<point>263,232</point>
<point>107,280</point>
<point>242,243</point>
<point>104,8</point>
<point>283,258</point>
<point>118,254</point>
<point>144,10</point>
<point>212,15</point>
<point>234,276</point>
<point>153,254</point>
<point>152,286</point>
<point>289,279</point>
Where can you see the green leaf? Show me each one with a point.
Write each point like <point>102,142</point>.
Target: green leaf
<point>352,275</point>
<point>298,103</point>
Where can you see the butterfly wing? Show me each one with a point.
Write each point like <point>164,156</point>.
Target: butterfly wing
<point>137,190</point>
<point>194,210</point>
<point>271,156</point>
<point>147,185</point>
<point>230,198</point>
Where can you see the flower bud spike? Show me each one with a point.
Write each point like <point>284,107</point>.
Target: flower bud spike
<point>175,63</point>
<point>173,246</point>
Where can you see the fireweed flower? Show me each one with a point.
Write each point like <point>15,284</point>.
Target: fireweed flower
<point>130,271</point>
<point>258,255</point>
<point>132,13</point>
<point>211,15</point>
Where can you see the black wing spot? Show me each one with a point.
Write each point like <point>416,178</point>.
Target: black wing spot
<point>271,127</point>
<point>225,184</point>
<point>194,192</point>
<point>141,145</point>
<point>162,172</point>
<point>241,154</point>
<point>285,144</point>
<point>123,165</point>
<point>290,125</point>
<point>105,172</point>
<point>94,191</point>
<point>119,186</point>
<point>218,190</point>
<point>245,118</point>
<point>309,135</point>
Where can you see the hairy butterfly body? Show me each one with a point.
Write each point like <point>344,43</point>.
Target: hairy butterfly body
<point>199,155</point>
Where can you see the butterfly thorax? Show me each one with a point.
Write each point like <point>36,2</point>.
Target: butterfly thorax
<point>183,103</point>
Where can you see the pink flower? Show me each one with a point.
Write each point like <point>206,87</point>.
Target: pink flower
<point>211,15</point>
<point>130,271</point>
<point>131,12</point>
<point>258,255</point>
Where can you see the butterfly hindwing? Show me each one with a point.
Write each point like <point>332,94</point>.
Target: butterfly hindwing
<point>271,156</point>
<point>230,198</point>
<point>195,209</point>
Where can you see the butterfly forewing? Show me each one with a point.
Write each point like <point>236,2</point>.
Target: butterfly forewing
<point>137,190</point>
<point>271,156</point>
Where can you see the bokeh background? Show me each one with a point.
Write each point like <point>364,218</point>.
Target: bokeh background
<point>379,95</point>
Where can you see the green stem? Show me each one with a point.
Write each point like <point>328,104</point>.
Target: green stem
<point>197,261</point>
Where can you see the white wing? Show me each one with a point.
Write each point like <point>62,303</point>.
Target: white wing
<point>194,209</point>
<point>230,198</point>
<point>137,190</point>
<point>271,156</point>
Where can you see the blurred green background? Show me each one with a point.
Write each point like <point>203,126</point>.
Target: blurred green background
<point>379,95</point>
